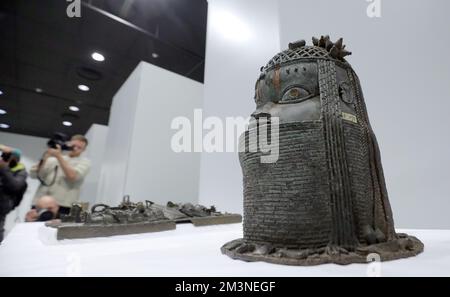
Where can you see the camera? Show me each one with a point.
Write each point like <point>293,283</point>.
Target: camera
<point>59,139</point>
<point>6,157</point>
<point>45,215</point>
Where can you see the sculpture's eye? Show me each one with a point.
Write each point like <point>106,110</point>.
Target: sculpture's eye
<point>294,93</point>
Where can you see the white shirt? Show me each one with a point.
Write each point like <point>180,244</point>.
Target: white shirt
<point>64,191</point>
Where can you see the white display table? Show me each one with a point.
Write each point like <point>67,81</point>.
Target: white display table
<point>32,250</point>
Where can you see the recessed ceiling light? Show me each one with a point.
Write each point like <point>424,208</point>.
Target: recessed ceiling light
<point>38,90</point>
<point>155,55</point>
<point>74,108</point>
<point>83,88</point>
<point>4,126</point>
<point>98,57</point>
<point>2,111</point>
<point>67,123</point>
<point>1,93</point>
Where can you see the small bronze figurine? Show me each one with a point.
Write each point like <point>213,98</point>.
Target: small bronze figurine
<point>134,218</point>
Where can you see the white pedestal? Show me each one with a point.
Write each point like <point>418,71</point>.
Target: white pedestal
<point>139,160</point>
<point>32,250</point>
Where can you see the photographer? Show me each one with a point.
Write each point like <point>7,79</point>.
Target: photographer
<point>46,209</point>
<point>61,175</point>
<point>12,183</point>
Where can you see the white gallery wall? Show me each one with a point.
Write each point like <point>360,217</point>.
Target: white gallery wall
<point>401,59</point>
<point>241,37</point>
<point>139,160</point>
<point>118,141</point>
<point>32,150</point>
<point>95,151</point>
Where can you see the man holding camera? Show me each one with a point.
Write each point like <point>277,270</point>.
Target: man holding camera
<point>61,175</point>
<point>46,209</point>
<point>12,182</point>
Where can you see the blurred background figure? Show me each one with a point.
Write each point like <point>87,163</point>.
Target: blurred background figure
<point>12,182</point>
<point>46,209</point>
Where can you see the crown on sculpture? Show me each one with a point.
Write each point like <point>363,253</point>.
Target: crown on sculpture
<point>323,48</point>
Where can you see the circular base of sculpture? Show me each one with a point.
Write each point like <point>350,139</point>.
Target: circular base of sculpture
<point>403,247</point>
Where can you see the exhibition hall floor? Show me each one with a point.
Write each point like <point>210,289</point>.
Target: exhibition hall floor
<point>32,250</point>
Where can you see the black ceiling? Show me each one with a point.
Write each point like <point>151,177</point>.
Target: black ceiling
<point>41,47</point>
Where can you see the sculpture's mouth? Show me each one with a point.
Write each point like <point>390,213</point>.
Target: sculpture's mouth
<point>258,115</point>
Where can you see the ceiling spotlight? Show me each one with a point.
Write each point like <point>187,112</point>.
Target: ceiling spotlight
<point>2,111</point>
<point>1,93</point>
<point>67,123</point>
<point>74,108</point>
<point>155,55</point>
<point>98,57</point>
<point>83,88</point>
<point>38,90</point>
<point>4,126</point>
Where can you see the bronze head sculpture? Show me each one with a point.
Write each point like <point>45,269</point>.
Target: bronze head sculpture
<point>324,200</point>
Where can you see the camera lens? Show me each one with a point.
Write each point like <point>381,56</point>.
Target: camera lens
<point>45,215</point>
<point>6,156</point>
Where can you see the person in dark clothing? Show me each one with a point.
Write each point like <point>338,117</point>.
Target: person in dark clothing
<point>12,183</point>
